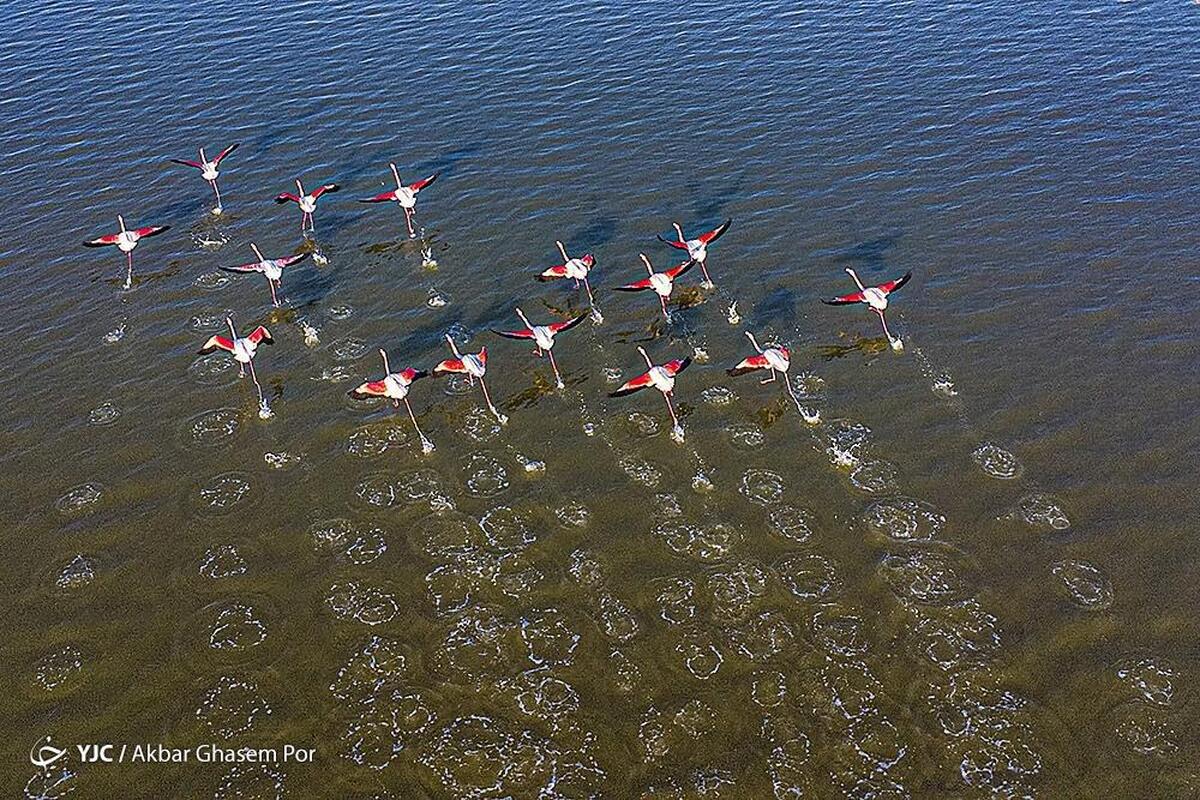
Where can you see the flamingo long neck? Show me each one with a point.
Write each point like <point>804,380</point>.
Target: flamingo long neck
<point>121,222</point>
<point>854,275</point>
<point>521,314</point>
<point>203,160</point>
<point>453,347</point>
<point>649,268</point>
<point>232,331</point>
<point>386,369</point>
<point>300,187</point>
<point>750,336</point>
<point>254,247</point>
<point>563,251</point>
<point>649,363</point>
<point>679,231</point>
<point>396,175</point>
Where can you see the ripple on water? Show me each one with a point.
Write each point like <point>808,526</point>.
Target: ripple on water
<point>762,486</point>
<point>1085,585</point>
<point>1043,511</point>
<point>486,477</point>
<point>222,561</point>
<point>360,602</point>
<point>875,477</point>
<point>839,632</point>
<point>59,668</point>
<point>792,523</point>
<point>213,369</point>
<point>701,655</point>
<point>641,424</point>
<point>104,414</point>
<point>1145,729</point>
<point>572,514</point>
<point>745,435</point>
<point>763,636</point>
<point>382,490</point>
<point>848,442</point>
<point>372,441</point>
<point>769,689</point>
<point>640,470</point>
<point>211,429</point>
<point>718,396</point>
<point>510,530</point>
<point>809,576</point>
<point>735,590</point>
<point>904,519</point>
<point>996,461</point>
<point>50,783</point>
<point>358,543</point>
<point>1151,679</point>
<point>479,425</point>
<point>340,312</point>
<point>549,639</point>
<point>211,281</point>
<point>955,636</point>
<point>80,572</point>
<point>222,493</point>
<point>231,706</point>
<point>677,600</point>
<point>923,576</point>
<point>348,349</point>
<point>458,385</point>
<point>251,782</point>
<point>236,627</point>
<point>80,498</point>
<point>708,542</point>
<point>380,663</point>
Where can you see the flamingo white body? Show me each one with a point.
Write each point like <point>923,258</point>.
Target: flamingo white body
<point>307,201</point>
<point>661,283</point>
<point>875,298</point>
<point>697,248</point>
<point>271,268</point>
<point>243,350</point>
<point>209,170</point>
<point>777,359</point>
<point>404,196</point>
<point>662,378</point>
<point>125,240</point>
<point>543,338</point>
<point>395,386</point>
<point>474,366</point>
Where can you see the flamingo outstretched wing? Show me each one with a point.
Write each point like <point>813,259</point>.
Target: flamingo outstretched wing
<point>261,335</point>
<point>287,261</point>
<point>675,272</point>
<point>150,230</point>
<point>244,268</point>
<point>421,184</point>
<point>217,343</point>
<point>221,156</point>
<point>380,198</point>
<point>101,241</point>
<point>891,286</point>
<point>523,333</point>
<point>853,297</point>
<point>450,366</point>
<point>286,197</point>
<point>369,389</point>
<point>408,374</point>
<point>674,243</point>
<point>633,385</point>
<point>187,163</point>
<point>565,325</point>
<point>715,233</point>
<point>677,366</point>
<point>749,365</point>
<point>636,286</point>
<point>328,187</point>
<point>553,273</point>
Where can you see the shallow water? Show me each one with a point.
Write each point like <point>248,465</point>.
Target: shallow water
<point>975,576</point>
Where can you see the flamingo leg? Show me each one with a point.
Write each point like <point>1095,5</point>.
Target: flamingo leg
<point>704,271</point>
<point>554,366</point>
<point>677,429</point>
<point>588,286</point>
<point>408,220</point>
<point>770,379</point>
<point>128,270</point>
<point>886,332</point>
<point>426,445</point>
<point>662,302</point>
<point>217,192</point>
<point>254,377</point>
<point>274,297</point>
<point>486,396</point>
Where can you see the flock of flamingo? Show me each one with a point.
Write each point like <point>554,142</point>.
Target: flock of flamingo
<point>395,385</point>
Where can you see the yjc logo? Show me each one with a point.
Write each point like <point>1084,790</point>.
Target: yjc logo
<point>45,754</point>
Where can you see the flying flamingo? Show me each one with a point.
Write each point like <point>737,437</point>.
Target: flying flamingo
<point>777,359</point>
<point>876,297</point>
<point>395,386</point>
<point>661,282</point>
<point>661,378</point>
<point>208,170</point>
<point>543,337</point>
<point>306,201</point>
<point>272,268</point>
<point>126,240</point>
<point>473,365</point>
<point>576,269</point>
<point>406,196</point>
<point>697,249</point>
<point>243,349</point>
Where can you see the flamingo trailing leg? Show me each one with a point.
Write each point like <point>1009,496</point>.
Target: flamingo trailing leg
<point>661,378</point>
<point>395,385</point>
<point>126,240</point>
<point>543,338</point>
<point>876,298</point>
<point>473,365</point>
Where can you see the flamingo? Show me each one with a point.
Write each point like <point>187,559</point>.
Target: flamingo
<point>697,249</point>
<point>543,337</point>
<point>576,269</point>
<point>661,282</point>
<point>395,386</point>
<point>406,196</point>
<point>661,378</point>
<point>208,170</point>
<point>243,349</point>
<point>307,202</point>
<point>126,240</point>
<point>272,268</point>
<point>777,359</point>
<point>473,365</point>
<point>876,297</point>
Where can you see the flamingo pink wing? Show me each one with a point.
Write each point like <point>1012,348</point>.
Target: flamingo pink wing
<point>255,267</point>
<point>675,272</point>
<point>380,198</point>
<point>559,327</point>
<point>891,286</point>
<point>676,244</point>
<point>100,241</point>
<point>320,190</point>
<point>150,230</point>
<point>854,297</point>
<point>677,366</point>
<point>523,333</point>
<point>421,184</point>
<point>287,261</point>
<point>225,152</point>
<point>185,162</point>
<point>716,232</point>
<point>557,271</point>
<point>636,286</point>
<point>631,386</point>
<point>218,343</point>
<point>260,334</point>
<point>450,365</point>
<point>749,365</point>
<point>369,389</point>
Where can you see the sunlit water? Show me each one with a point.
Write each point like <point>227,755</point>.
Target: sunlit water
<point>974,576</point>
